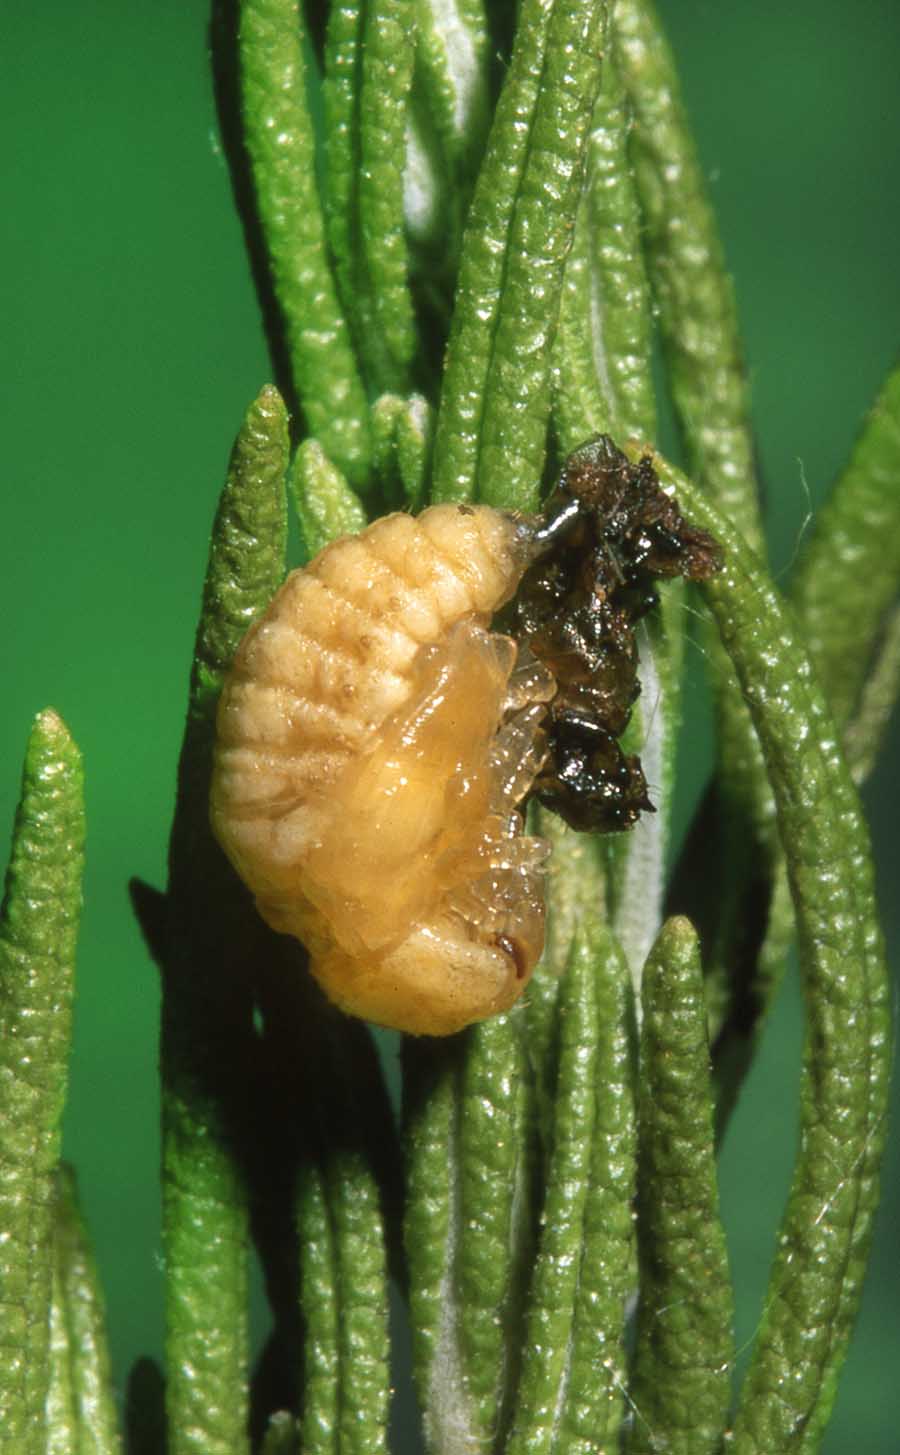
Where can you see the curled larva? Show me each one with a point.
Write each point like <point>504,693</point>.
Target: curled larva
<point>374,740</point>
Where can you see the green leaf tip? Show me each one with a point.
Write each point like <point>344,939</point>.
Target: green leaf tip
<point>247,546</point>
<point>52,750</point>
<point>38,932</point>
<point>403,431</point>
<point>42,900</point>
<point>674,954</point>
<point>49,723</point>
<point>282,1435</point>
<point>684,1349</point>
<point>325,504</point>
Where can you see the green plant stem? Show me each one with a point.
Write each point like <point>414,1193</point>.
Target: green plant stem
<point>38,931</point>
<point>246,557</point>
<point>684,1343</point>
<point>816,1278</point>
<point>81,1406</point>
<point>582,394</point>
<point>280,141</point>
<point>208,937</point>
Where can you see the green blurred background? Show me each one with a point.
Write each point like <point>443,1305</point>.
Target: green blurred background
<point>134,344</point>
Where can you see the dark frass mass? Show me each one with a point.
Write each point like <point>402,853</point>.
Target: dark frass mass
<point>608,532</point>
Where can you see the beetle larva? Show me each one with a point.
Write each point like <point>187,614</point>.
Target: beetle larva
<point>374,742</point>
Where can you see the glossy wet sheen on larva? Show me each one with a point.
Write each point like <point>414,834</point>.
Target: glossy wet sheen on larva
<point>371,752</point>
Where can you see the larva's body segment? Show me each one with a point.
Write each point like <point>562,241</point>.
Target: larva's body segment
<point>371,754</point>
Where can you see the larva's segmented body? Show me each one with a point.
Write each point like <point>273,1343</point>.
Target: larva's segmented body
<point>372,749</point>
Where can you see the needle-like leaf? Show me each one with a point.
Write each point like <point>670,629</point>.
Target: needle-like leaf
<point>817,1275</point>
<point>207,938</point>
<point>280,140</point>
<point>38,931</point>
<point>684,1345</point>
<point>495,404</point>
<point>81,1409</point>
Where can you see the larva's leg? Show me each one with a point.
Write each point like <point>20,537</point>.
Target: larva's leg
<point>525,854</point>
<point>508,898</point>
<point>530,682</point>
<point>517,755</point>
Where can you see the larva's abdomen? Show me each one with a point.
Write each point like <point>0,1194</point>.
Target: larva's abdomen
<point>358,785</point>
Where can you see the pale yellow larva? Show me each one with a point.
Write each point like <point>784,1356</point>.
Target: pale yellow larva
<point>374,740</point>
